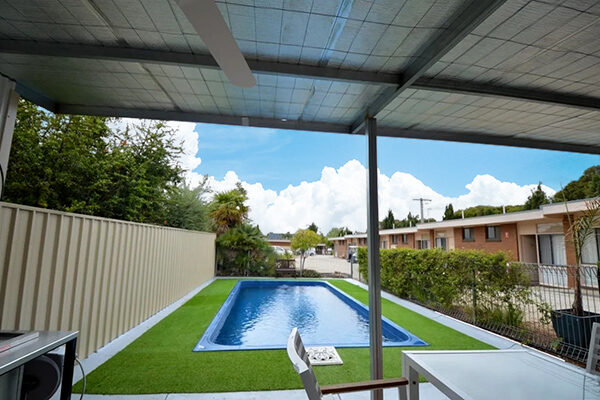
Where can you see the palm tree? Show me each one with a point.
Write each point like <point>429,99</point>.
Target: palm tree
<point>228,209</point>
<point>580,230</point>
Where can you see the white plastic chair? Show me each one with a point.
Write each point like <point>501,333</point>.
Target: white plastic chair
<point>594,352</point>
<point>299,358</point>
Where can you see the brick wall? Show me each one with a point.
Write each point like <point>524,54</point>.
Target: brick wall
<point>411,241</point>
<point>508,240</point>
<point>339,248</point>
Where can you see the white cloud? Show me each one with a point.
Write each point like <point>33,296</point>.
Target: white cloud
<point>338,198</point>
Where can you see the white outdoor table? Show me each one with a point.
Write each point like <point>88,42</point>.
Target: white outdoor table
<point>498,374</point>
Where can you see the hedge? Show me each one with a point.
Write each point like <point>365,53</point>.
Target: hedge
<point>482,284</point>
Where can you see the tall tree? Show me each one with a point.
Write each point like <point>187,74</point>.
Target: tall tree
<point>187,209</point>
<point>80,164</point>
<point>587,186</point>
<point>410,220</point>
<point>449,212</point>
<point>388,222</point>
<point>338,232</point>
<point>313,227</point>
<point>536,198</point>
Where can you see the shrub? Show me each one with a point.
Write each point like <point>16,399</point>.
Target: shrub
<point>310,273</point>
<point>483,284</point>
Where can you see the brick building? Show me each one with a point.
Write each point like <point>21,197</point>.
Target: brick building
<point>534,236</point>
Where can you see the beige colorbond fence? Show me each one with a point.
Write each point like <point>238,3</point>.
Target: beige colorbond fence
<point>62,271</point>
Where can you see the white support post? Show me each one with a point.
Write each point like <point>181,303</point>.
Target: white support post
<point>375,336</point>
<point>9,100</point>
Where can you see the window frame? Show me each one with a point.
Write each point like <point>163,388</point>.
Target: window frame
<point>470,239</point>
<point>445,242</point>
<point>497,230</point>
<point>404,238</point>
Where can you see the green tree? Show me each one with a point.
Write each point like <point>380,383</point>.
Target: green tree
<point>536,198</point>
<point>79,164</point>
<point>388,222</point>
<point>478,211</point>
<point>338,232</point>
<point>313,227</point>
<point>588,185</point>
<point>448,212</point>
<point>55,159</point>
<point>187,209</point>
<point>303,240</point>
<point>244,251</point>
<point>228,209</point>
<point>410,220</point>
<point>141,170</point>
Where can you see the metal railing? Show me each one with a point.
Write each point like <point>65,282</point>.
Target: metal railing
<point>541,314</point>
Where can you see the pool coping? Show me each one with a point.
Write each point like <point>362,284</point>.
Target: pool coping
<point>207,343</point>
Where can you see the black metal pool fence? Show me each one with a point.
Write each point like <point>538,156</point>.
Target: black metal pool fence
<point>539,313</point>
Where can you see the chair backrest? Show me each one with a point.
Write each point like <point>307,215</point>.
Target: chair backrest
<point>594,352</point>
<point>299,358</point>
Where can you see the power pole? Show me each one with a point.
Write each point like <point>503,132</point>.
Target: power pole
<point>422,201</point>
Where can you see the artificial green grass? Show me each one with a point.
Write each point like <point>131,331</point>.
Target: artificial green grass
<point>162,360</point>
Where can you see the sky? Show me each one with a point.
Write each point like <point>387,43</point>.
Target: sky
<point>294,178</point>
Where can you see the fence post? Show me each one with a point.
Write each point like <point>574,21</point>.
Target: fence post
<point>474,293</point>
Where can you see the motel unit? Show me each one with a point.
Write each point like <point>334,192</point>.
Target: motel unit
<point>535,236</point>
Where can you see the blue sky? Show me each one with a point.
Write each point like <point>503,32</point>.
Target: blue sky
<point>278,158</point>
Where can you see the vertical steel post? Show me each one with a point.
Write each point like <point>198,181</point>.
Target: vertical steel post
<point>375,337</point>
<point>9,100</point>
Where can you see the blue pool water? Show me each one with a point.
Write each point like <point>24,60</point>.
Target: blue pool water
<point>261,314</point>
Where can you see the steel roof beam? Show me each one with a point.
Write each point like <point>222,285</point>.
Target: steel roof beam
<point>463,22</point>
<point>259,122</point>
<point>315,126</point>
<point>483,138</point>
<point>128,54</point>
<point>508,92</point>
<point>297,70</point>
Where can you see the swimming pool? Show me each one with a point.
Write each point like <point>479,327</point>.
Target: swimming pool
<point>261,314</point>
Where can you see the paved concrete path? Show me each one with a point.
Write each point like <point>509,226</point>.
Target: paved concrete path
<point>426,391</point>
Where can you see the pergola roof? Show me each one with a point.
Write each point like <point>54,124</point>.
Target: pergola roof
<point>516,72</point>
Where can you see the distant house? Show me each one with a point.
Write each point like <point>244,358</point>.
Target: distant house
<point>278,239</point>
<point>536,236</point>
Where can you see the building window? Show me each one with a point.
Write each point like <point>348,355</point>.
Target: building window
<point>404,238</point>
<point>492,233</point>
<point>552,249</point>
<point>440,243</point>
<point>394,239</point>
<point>468,235</point>
<point>590,253</point>
<point>383,244</point>
<point>422,244</point>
